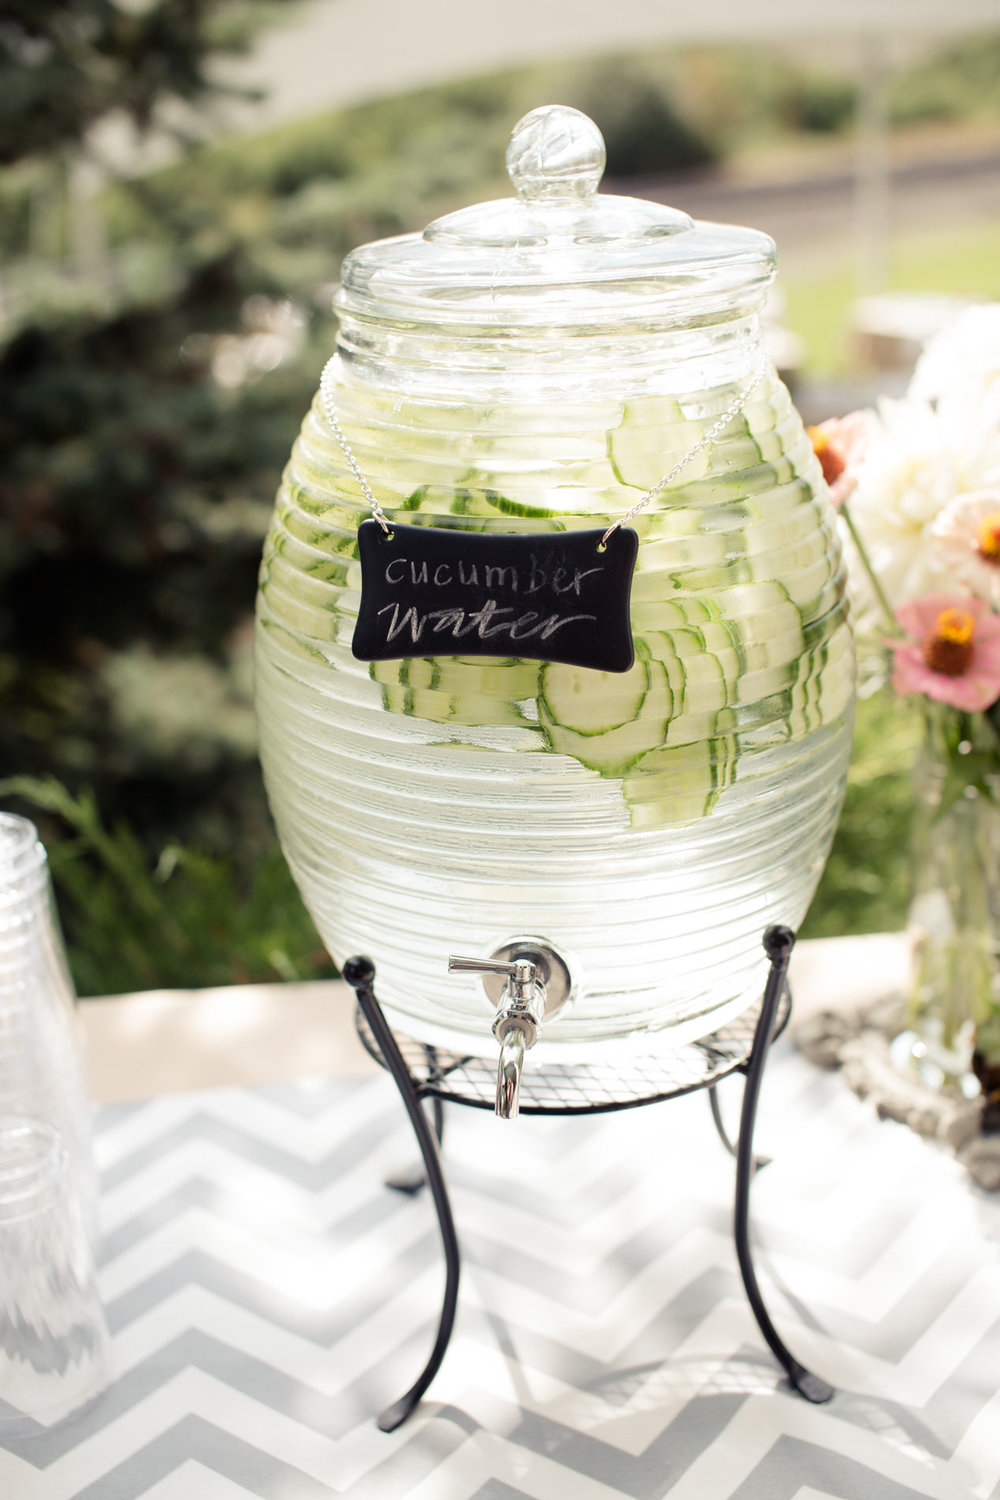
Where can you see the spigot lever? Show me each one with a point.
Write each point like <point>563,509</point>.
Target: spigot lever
<point>479,966</point>
<point>521,972</point>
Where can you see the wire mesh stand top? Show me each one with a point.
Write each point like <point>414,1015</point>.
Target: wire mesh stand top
<point>589,1087</point>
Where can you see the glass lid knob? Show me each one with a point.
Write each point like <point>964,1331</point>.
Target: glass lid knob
<point>555,153</point>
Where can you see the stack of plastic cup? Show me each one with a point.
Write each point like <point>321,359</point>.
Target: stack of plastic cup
<point>52,1336</point>
<point>41,1051</point>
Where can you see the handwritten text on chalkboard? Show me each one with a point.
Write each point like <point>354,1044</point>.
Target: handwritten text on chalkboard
<point>553,596</point>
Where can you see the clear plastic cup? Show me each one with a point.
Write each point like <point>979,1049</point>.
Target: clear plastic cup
<point>41,1050</point>
<point>53,1336</point>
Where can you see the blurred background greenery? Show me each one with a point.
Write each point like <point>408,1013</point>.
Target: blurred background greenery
<point>160,339</point>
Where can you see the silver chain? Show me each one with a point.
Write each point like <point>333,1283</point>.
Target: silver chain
<point>731,412</point>
<point>330,412</point>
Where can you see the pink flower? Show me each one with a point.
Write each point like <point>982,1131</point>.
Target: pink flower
<point>952,652</point>
<point>840,444</point>
<point>966,538</point>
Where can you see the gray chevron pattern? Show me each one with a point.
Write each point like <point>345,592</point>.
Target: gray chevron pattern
<point>268,1296</point>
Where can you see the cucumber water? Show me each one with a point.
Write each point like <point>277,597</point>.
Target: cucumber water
<point>649,823</point>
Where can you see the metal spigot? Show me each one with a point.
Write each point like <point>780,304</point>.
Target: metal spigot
<point>517,1021</point>
<point>509,1065</point>
<point>528,982</point>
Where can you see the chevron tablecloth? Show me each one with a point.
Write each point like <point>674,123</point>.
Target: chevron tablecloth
<point>268,1295</point>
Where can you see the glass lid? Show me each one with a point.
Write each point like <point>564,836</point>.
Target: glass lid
<point>558,252</point>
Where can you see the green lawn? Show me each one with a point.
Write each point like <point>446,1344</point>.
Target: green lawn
<point>966,263</point>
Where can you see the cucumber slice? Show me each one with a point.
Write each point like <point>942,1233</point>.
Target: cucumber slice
<point>605,720</point>
<point>679,784</point>
<point>661,646</point>
<point>654,433</point>
<point>765,629</point>
<point>824,686</point>
<point>763,418</point>
<point>590,702</point>
<point>499,677</point>
<point>291,643</point>
<point>439,503</point>
<point>712,666</point>
<point>312,622</point>
<point>709,665</point>
<point>448,690</point>
<point>697,553</point>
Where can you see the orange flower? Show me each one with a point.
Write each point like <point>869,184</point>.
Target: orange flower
<point>949,648</point>
<point>840,444</point>
<point>831,460</point>
<point>988,538</point>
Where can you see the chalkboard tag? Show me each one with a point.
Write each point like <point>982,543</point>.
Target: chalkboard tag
<point>550,596</point>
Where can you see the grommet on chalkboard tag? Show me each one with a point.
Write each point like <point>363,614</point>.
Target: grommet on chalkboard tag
<point>550,596</point>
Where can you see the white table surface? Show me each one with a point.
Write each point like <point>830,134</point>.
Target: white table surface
<point>162,1040</point>
<point>268,1295</point>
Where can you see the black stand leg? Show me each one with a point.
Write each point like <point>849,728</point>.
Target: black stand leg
<point>723,1133</point>
<point>778,943</point>
<point>411,1181</point>
<point>360,975</point>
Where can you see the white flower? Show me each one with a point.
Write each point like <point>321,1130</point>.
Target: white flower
<point>909,473</point>
<point>920,457</point>
<point>936,447</point>
<point>963,359</point>
<point>966,536</point>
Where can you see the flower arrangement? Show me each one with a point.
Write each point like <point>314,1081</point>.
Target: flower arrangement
<point>917,485</point>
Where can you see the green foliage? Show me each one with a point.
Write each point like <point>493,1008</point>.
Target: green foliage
<point>960,82</point>
<point>139,449</point>
<point>732,100</point>
<point>377,168</point>
<point>866,885</point>
<point>184,920</point>
<point>818,103</point>
<point>139,455</point>
<point>644,131</point>
<point>64,66</point>
<point>133,501</point>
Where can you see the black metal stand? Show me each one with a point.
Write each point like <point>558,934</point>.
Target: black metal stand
<point>778,944</point>
<point>591,1088</point>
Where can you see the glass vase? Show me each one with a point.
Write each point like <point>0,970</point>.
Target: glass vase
<point>954,915</point>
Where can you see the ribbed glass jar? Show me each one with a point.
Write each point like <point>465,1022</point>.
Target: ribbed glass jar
<point>649,825</point>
